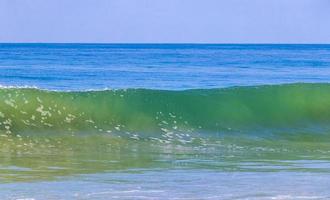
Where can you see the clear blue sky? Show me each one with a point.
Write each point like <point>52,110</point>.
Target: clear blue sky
<point>165,21</point>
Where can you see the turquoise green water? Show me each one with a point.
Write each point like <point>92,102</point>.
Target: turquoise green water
<point>47,134</point>
<point>260,111</point>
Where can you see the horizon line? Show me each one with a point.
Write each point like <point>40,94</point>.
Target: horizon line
<point>161,43</point>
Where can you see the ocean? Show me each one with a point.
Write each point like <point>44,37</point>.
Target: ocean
<point>164,121</point>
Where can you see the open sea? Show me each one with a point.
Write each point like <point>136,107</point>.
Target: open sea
<point>164,121</point>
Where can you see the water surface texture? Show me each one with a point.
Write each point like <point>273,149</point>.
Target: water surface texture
<point>175,67</point>
<point>163,121</point>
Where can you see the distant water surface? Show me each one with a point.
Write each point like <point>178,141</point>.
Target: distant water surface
<point>160,66</point>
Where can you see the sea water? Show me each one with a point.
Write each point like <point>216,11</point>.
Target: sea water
<point>164,121</point>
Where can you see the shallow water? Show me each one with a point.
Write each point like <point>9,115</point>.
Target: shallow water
<point>177,184</point>
<point>202,126</point>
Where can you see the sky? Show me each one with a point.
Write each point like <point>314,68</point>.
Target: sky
<point>165,21</point>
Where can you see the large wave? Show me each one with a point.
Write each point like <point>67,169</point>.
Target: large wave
<point>264,128</point>
<point>291,110</point>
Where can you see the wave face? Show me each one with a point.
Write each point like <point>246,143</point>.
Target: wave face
<point>289,111</point>
<point>49,134</point>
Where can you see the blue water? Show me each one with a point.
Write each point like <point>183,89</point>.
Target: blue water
<point>175,67</point>
<point>38,167</point>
